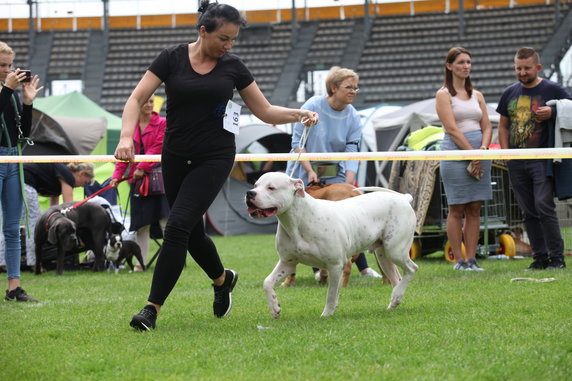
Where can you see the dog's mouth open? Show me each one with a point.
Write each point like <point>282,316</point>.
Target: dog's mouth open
<point>256,212</point>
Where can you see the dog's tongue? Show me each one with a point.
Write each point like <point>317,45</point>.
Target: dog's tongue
<point>261,213</point>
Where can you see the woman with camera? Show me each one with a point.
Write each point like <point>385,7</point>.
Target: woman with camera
<point>16,124</point>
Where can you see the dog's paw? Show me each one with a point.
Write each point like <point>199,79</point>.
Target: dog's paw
<point>276,312</point>
<point>393,304</point>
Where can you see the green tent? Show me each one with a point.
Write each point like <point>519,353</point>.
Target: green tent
<point>75,104</point>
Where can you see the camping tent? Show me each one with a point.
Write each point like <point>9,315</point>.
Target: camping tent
<point>227,215</point>
<point>77,105</point>
<point>49,137</point>
<point>85,133</point>
<point>387,132</point>
<point>65,136</point>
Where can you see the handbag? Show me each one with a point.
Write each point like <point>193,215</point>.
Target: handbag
<point>152,183</point>
<point>155,180</point>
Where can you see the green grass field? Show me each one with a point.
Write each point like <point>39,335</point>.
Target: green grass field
<point>451,326</point>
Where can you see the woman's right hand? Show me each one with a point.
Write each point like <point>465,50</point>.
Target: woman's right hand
<point>14,79</point>
<point>313,177</point>
<point>125,150</point>
<point>477,169</point>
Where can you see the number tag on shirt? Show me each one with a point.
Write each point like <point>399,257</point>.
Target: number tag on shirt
<point>232,117</point>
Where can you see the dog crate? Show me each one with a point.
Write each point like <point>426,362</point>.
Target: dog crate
<point>495,230</point>
<point>516,223</point>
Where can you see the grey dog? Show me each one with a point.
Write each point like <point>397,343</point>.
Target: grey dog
<point>86,226</point>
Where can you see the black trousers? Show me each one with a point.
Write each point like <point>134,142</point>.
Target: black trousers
<point>534,192</point>
<point>190,188</point>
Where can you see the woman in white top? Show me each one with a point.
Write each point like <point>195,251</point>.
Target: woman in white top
<point>463,113</point>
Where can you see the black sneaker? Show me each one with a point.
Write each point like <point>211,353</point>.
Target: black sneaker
<point>18,295</point>
<point>223,294</point>
<point>538,264</point>
<point>556,264</point>
<point>145,319</point>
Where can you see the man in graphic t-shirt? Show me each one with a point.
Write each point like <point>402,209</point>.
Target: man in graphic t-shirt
<point>525,122</point>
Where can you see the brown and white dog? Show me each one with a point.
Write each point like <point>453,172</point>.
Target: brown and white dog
<point>325,233</point>
<point>86,225</point>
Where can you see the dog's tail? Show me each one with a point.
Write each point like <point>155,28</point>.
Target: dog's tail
<point>380,189</point>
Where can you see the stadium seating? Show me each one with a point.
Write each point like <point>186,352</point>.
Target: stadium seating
<point>401,61</point>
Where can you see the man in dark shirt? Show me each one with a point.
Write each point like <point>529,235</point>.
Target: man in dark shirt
<point>524,123</point>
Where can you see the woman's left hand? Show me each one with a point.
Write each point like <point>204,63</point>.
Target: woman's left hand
<point>309,118</point>
<point>30,90</point>
<point>139,173</point>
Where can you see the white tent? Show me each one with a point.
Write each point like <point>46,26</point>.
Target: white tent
<point>388,131</point>
<point>228,214</point>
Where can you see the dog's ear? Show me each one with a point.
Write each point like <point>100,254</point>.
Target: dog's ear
<point>53,233</point>
<point>299,188</point>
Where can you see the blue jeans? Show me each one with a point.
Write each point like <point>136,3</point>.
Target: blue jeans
<point>534,192</point>
<point>11,198</point>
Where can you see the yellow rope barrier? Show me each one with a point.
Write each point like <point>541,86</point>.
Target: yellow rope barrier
<point>502,154</point>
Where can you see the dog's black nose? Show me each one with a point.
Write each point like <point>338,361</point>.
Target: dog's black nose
<point>250,194</point>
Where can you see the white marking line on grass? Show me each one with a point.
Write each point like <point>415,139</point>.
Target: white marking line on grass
<point>535,280</point>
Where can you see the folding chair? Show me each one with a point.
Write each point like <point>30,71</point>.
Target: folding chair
<point>156,233</point>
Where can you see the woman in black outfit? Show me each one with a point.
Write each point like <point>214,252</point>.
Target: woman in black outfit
<point>198,153</point>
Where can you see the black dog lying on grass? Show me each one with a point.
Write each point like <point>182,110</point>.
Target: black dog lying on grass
<point>87,225</point>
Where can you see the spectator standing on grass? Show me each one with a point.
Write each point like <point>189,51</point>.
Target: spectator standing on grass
<point>199,147</point>
<point>526,122</point>
<point>145,210</point>
<point>339,130</point>
<point>463,113</point>
<point>16,123</point>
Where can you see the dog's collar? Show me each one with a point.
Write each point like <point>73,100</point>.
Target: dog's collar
<point>49,217</point>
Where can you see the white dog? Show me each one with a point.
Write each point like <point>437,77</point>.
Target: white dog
<point>325,234</point>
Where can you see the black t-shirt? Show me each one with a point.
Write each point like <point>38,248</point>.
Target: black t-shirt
<point>519,103</point>
<point>44,177</point>
<point>196,103</point>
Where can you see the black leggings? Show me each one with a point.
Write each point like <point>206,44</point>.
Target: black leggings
<point>190,188</point>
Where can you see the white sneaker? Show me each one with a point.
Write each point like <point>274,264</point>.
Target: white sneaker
<point>372,273</point>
